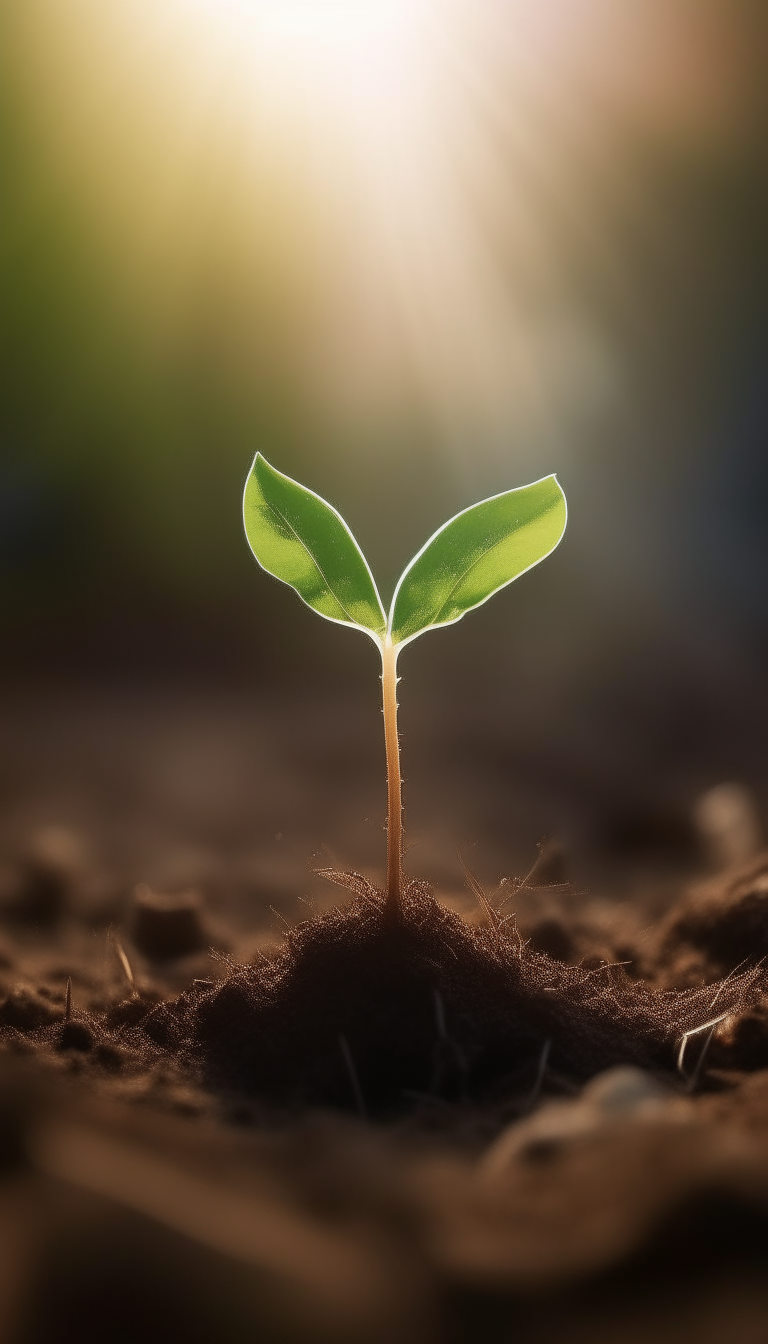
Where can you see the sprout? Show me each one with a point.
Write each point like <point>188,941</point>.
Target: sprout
<point>300,539</point>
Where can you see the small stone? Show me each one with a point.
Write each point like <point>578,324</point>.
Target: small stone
<point>164,927</point>
<point>54,862</point>
<point>617,1094</point>
<point>728,822</point>
<point>624,1090</point>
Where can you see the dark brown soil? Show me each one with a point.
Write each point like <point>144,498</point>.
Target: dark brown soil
<point>305,1127</point>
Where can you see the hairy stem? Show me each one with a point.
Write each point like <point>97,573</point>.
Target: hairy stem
<point>394,782</point>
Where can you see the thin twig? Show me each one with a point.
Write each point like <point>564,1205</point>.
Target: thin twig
<point>68,1004</point>
<point>440,1015</point>
<point>280,917</point>
<point>694,1078</point>
<point>541,1070</point>
<point>479,894</point>
<point>724,982</point>
<point>353,1078</point>
<point>127,969</point>
<point>523,882</point>
<point>512,882</point>
<point>360,885</point>
<point>695,1032</point>
<point>606,966</point>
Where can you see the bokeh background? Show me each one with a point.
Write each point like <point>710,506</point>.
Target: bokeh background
<point>416,254</point>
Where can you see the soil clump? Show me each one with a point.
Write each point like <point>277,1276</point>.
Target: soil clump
<point>356,1011</point>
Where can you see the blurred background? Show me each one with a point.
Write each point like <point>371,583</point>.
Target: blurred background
<point>416,253</point>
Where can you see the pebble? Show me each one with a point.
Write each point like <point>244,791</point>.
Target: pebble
<point>620,1093</point>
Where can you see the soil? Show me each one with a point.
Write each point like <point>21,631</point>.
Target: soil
<point>524,1113</point>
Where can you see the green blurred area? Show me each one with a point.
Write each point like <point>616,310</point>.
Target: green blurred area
<point>142,372</point>
<point>130,419</point>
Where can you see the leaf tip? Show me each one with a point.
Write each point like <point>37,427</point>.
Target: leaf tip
<point>562,499</point>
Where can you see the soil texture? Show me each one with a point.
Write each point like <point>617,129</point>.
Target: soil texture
<point>530,1114</point>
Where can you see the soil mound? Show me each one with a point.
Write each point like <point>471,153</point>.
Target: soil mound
<point>366,1014</point>
<point>360,1013</point>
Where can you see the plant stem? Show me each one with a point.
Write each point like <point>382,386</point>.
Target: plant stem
<point>393,904</point>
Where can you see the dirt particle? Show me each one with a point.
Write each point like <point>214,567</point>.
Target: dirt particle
<point>75,1036</point>
<point>110,1057</point>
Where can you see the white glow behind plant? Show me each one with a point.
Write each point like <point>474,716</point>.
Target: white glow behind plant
<point>409,180</point>
<point>378,98</point>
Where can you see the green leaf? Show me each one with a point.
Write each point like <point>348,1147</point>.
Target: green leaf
<point>475,554</point>
<point>304,542</point>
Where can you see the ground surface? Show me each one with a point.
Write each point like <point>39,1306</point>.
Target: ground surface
<point>486,1133</point>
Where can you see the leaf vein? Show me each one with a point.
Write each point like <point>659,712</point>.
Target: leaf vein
<point>314,560</point>
<point>484,554</point>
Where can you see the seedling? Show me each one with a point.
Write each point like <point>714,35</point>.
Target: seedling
<point>300,539</point>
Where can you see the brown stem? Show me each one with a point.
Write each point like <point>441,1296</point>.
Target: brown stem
<point>393,905</point>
